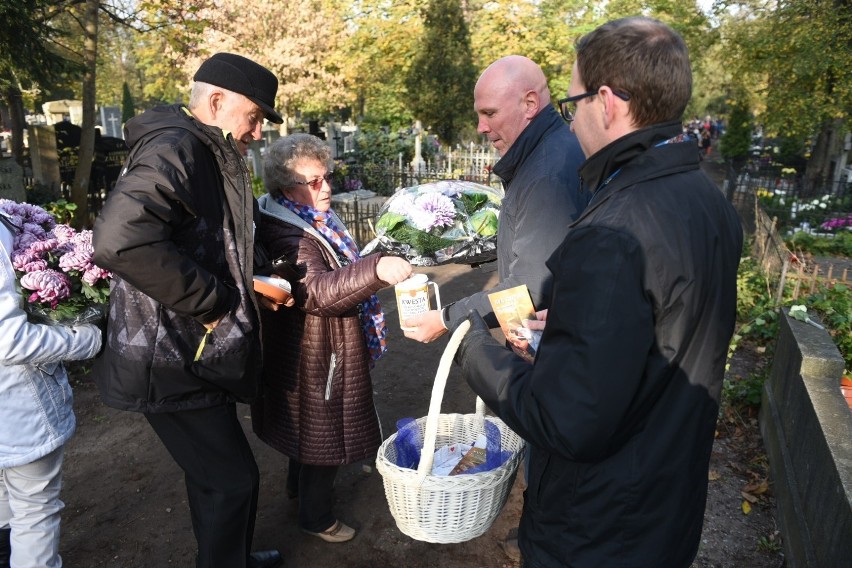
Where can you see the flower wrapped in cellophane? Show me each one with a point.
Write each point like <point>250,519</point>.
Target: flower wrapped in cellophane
<point>438,222</point>
<point>58,280</point>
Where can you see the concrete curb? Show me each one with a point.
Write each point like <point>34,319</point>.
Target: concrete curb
<point>807,430</point>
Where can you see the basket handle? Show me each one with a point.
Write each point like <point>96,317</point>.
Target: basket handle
<point>427,454</point>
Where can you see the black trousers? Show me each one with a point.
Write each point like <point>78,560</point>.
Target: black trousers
<point>314,484</point>
<point>221,477</point>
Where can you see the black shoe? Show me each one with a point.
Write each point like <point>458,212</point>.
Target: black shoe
<point>5,547</point>
<point>264,559</point>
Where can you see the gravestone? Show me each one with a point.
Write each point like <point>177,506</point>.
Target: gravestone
<point>44,157</point>
<point>67,149</point>
<point>111,122</point>
<point>349,143</point>
<point>110,154</point>
<point>11,180</point>
<point>314,129</point>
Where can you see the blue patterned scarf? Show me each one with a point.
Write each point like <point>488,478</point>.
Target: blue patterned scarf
<point>372,318</point>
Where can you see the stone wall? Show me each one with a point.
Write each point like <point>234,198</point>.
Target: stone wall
<point>807,430</point>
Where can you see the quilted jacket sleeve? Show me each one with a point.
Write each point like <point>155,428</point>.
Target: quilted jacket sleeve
<point>326,289</point>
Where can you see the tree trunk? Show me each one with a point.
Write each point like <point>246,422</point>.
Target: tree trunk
<point>12,96</point>
<point>828,144</point>
<point>82,177</point>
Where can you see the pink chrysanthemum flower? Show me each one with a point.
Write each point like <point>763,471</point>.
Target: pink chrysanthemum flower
<point>64,233</point>
<point>47,285</point>
<point>75,259</point>
<point>95,273</point>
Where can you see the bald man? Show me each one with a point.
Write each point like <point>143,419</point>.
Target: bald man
<point>539,163</point>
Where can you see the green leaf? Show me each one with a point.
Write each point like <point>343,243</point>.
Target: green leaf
<point>388,221</point>
<point>799,312</point>
<point>484,222</point>
<point>473,201</point>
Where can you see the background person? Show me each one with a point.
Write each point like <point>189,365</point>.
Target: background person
<point>183,343</point>
<point>37,419</point>
<point>539,161</point>
<point>317,405</point>
<point>621,403</point>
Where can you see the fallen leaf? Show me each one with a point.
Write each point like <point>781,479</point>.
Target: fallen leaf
<point>758,488</point>
<point>746,508</point>
<point>713,475</point>
<point>748,497</point>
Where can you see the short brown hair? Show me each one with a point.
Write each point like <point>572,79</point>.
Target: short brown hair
<point>643,58</point>
<point>282,156</point>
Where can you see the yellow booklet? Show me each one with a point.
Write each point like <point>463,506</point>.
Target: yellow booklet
<point>511,307</point>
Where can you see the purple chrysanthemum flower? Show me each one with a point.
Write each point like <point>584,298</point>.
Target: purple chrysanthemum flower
<point>24,214</point>
<point>440,206</point>
<point>43,248</point>
<point>47,285</point>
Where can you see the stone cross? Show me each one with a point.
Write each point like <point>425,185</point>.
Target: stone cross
<point>417,163</point>
<point>111,121</point>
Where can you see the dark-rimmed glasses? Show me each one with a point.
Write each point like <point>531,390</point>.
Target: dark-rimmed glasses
<point>568,105</point>
<point>316,183</point>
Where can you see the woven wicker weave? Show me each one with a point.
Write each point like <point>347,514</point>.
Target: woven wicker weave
<point>456,508</point>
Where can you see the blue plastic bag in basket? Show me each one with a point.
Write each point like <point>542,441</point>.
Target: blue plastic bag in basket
<point>408,443</point>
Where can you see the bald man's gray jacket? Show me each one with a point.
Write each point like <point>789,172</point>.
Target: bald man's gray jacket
<point>542,197</point>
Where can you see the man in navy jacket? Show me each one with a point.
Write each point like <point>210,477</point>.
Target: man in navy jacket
<point>620,406</point>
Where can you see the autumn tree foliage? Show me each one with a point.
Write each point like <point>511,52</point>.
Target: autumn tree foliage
<point>794,58</point>
<point>128,107</point>
<point>32,55</point>
<point>441,78</point>
<point>381,44</point>
<point>299,40</point>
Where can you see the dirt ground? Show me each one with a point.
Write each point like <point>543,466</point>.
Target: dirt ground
<point>126,502</point>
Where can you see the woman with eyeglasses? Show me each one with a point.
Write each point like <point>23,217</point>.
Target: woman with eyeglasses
<point>316,405</point>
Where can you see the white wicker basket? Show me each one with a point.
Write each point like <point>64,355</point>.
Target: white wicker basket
<point>446,509</point>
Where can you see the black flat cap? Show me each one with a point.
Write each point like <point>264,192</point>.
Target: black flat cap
<point>243,76</point>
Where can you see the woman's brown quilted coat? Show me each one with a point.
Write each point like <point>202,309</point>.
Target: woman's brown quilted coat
<point>316,404</point>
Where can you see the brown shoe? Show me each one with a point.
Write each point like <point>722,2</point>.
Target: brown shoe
<point>510,545</point>
<point>338,532</point>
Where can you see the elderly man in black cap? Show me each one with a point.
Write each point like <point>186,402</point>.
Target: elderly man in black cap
<point>177,232</point>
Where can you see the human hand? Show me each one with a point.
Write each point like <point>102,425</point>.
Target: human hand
<point>538,323</point>
<point>393,269</point>
<point>272,305</point>
<point>425,327</point>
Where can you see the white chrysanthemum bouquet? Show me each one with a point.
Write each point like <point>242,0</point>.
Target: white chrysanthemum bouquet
<point>439,222</point>
<point>58,279</point>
